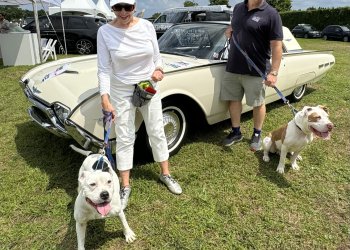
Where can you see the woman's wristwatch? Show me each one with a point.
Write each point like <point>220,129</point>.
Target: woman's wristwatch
<point>274,73</point>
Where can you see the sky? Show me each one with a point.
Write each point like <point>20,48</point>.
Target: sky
<point>154,6</point>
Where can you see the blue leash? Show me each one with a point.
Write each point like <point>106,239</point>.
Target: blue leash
<point>263,76</point>
<point>107,123</point>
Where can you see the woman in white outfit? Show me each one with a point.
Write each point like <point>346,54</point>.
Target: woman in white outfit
<point>128,52</point>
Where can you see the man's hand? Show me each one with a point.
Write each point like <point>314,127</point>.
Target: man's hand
<point>228,32</point>
<point>271,80</point>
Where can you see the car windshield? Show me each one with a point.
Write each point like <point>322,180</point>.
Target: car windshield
<point>345,28</point>
<point>200,40</point>
<point>310,28</point>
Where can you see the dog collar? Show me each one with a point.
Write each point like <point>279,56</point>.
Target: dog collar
<point>297,125</point>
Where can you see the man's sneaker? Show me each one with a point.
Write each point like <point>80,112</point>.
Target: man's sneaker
<point>124,196</point>
<point>232,138</point>
<point>255,142</point>
<point>171,183</point>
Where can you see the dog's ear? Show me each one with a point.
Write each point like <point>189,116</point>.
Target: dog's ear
<point>83,176</point>
<point>105,167</point>
<point>324,108</point>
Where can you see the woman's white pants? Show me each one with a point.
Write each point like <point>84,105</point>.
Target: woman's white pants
<point>125,125</point>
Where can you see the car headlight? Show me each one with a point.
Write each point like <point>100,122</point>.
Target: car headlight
<point>61,111</point>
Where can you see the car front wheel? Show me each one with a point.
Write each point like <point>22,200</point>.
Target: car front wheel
<point>298,93</point>
<point>345,38</point>
<point>325,37</point>
<point>84,47</point>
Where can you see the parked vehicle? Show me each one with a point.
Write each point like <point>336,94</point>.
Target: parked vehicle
<point>191,14</point>
<point>305,31</point>
<point>336,32</point>
<point>65,100</point>
<point>80,31</point>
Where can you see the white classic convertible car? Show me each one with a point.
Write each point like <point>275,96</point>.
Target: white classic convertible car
<point>65,100</point>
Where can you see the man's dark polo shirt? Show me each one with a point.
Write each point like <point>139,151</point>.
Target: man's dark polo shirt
<point>253,30</point>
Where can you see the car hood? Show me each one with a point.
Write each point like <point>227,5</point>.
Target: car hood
<point>79,80</point>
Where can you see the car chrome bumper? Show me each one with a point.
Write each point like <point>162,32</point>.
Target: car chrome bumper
<point>42,114</point>
<point>84,139</point>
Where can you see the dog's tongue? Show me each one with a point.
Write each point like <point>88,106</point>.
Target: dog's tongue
<point>325,135</point>
<point>103,208</point>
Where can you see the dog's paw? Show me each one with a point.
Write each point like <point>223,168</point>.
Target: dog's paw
<point>295,166</point>
<point>266,158</point>
<point>280,169</point>
<point>129,236</point>
<point>299,158</point>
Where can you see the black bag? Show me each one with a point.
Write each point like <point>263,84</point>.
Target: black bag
<point>140,96</point>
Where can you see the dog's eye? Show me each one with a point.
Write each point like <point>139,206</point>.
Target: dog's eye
<point>92,184</point>
<point>109,182</point>
<point>314,118</point>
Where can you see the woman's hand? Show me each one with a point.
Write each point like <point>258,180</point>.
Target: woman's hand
<point>157,75</point>
<point>107,105</point>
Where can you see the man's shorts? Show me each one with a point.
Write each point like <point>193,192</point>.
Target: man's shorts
<point>235,86</point>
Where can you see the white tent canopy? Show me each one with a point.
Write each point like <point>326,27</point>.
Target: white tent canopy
<point>85,6</point>
<point>102,6</point>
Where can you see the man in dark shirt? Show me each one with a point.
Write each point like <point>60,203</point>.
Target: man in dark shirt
<point>257,28</point>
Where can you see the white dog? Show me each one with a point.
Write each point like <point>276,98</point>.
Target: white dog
<point>98,196</point>
<point>294,136</point>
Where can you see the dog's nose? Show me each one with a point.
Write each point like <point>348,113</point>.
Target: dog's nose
<point>104,195</point>
<point>330,126</point>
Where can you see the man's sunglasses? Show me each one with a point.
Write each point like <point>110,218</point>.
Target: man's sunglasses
<point>126,7</point>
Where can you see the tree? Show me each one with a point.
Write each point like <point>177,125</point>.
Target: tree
<point>155,15</point>
<point>281,5</point>
<point>190,3</point>
<point>218,2</point>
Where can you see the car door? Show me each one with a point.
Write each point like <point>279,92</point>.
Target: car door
<point>338,34</point>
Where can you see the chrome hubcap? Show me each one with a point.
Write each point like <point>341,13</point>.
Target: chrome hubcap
<point>172,126</point>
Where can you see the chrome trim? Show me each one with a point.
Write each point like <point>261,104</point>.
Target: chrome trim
<point>37,118</point>
<point>85,140</point>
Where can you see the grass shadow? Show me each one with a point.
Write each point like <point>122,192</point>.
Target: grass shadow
<point>267,170</point>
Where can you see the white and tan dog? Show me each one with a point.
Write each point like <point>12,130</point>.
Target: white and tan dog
<point>294,136</point>
<point>98,196</point>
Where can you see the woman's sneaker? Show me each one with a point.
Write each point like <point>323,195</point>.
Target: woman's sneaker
<point>124,196</point>
<point>171,183</point>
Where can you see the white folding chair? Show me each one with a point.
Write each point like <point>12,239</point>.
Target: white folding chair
<point>49,50</point>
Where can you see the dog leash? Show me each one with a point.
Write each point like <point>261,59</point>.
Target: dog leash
<point>263,76</point>
<point>106,148</point>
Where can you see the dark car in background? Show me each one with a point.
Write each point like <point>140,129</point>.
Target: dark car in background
<point>306,31</point>
<point>80,31</point>
<point>336,32</point>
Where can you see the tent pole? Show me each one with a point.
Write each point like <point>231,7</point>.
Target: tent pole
<point>35,9</point>
<point>64,33</point>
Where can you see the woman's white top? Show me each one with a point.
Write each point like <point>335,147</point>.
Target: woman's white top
<point>128,55</point>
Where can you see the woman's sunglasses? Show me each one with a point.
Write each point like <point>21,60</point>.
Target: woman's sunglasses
<point>126,7</point>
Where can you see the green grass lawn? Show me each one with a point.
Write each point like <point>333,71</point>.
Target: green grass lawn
<point>231,199</point>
